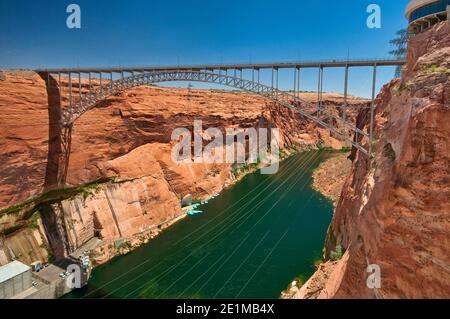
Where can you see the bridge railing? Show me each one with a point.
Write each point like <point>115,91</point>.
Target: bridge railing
<point>231,66</point>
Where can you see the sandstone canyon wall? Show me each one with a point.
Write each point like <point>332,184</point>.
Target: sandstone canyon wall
<point>121,184</point>
<point>394,209</point>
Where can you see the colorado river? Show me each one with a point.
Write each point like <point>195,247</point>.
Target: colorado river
<point>250,242</point>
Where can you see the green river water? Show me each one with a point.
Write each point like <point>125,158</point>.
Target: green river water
<point>250,242</point>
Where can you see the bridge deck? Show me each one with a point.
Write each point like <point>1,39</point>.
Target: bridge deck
<point>283,65</point>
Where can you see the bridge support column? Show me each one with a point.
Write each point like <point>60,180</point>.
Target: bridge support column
<point>276,72</point>
<point>60,89</point>
<point>79,86</point>
<point>344,111</point>
<point>275,81</point>
<point>70,89</point>
<point>272,78</point>
<point>295,81</point>
<point>372,109</point>
<point>101,85</point>
<point>319,90</point>
<point>90,84</point>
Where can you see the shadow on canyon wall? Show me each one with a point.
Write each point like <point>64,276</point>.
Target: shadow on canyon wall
<point>58,154</point>
<point>59,138</point>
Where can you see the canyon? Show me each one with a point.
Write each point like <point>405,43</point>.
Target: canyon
<point>121,184</point>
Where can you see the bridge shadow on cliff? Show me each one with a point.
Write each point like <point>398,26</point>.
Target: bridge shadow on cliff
<point>59,138</point>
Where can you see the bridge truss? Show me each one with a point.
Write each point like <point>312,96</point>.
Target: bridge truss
<point>83,91</point>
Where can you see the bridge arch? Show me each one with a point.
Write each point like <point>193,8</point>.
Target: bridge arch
<point>90,99</point>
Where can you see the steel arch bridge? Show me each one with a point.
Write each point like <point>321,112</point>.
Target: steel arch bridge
<point>80,103</point>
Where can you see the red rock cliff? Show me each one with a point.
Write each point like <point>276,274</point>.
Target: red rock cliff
<point>394,210</point>
<point>126,138</point>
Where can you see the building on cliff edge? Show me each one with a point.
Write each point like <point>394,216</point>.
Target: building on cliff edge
<point>422,14</point>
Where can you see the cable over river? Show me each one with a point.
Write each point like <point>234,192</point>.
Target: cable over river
<point>250,242</point>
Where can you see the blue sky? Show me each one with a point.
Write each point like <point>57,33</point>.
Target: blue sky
<point>33,34</point>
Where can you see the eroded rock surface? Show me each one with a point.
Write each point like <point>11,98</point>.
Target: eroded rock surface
<point>394,210</point>
<point>125,144</point>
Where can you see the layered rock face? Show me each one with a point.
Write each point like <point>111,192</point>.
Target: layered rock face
<point>122,123</point>
<point>23,136</point>
<point>123,148</point>
<point>394,209</point>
